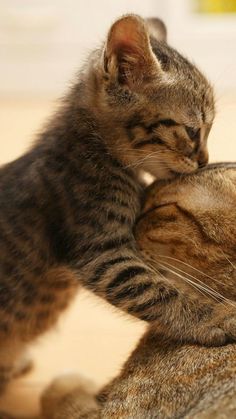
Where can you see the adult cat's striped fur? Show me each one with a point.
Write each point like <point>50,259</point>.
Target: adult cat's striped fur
<point>164,379</point>
<point>68,206</point>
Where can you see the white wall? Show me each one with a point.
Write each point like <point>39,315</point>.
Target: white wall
<point>43,42</point>
<point>209,40</point>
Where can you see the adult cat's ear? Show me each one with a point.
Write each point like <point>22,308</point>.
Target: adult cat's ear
<point>157,29</point>
<point>128,56</point>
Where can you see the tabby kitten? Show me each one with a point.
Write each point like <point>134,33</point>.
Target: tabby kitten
<point>162,378</point>
<point>68,206</point>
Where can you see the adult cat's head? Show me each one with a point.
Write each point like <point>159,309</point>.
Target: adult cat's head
<point>188,230</point>
<point>154,107</point>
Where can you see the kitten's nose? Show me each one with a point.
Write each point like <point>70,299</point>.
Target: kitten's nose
<point>203,158</point>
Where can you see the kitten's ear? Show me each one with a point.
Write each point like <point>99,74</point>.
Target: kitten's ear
<point>157,29</point>
<point>128,55</point>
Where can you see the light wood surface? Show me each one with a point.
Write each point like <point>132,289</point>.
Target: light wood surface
<point>91,338</point>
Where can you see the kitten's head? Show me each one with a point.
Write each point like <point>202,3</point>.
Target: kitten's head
<point>157,105</point>
<point>188,229</point>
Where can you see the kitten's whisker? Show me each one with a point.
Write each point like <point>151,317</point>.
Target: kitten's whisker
<point>137,162</point>
<point>140,161</point>
<point>131,153</point>
<point>153,153</point>
<point>154,158</point>
<point>137,150</point>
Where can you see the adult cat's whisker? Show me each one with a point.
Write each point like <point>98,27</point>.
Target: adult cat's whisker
<point>231,263</point>
<point>191,267</point>
<point>200,285</point>
<point>216,293</point>
<point>200,289</point>
<point>192,283</point>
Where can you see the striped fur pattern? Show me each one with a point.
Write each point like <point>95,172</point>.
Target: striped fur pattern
<point>68,206</point>
<point>164,379</point>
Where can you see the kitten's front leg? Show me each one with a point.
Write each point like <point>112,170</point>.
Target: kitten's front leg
<point>125,281</point>
<point>200,321</point>
<point>122,278</point>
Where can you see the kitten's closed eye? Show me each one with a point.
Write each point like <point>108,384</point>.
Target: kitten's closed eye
<point>168,122</point>
<point>193,133</point>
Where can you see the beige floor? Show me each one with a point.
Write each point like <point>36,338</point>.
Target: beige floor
<point>92,338</point>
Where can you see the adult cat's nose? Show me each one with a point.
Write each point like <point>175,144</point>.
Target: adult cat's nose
<point>203,157</point>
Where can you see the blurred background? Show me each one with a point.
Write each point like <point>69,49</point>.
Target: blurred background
<point>42,44</point>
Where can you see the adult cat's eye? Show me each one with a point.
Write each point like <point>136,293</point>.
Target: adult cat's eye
<point>193,133</point>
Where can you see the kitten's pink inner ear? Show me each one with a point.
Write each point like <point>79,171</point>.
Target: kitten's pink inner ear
<point>128,34</point>
<point>128,40</point>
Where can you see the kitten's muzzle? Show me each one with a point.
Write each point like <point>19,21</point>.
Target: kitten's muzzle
<point>203,158</point>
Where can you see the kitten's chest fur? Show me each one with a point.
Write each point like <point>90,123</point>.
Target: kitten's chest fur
<point>75,193</point>
<point>96,200</point>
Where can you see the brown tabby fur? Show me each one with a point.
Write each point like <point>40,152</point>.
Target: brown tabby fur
<point>162,378</point>
<point>68,206</point>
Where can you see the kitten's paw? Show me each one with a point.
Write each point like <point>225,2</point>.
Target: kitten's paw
<point>230,326</point>
<point>220,329</point>
<point>209,336</point>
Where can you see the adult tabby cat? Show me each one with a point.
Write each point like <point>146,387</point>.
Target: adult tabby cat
<point>193,220</point>
<point>68,206</point>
